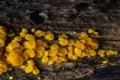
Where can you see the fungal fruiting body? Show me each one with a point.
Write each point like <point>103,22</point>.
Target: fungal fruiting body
<point>48,47</point>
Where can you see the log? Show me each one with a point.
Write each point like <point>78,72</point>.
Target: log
<point>68,16</point>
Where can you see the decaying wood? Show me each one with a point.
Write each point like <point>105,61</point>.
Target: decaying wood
<point>68,16</point>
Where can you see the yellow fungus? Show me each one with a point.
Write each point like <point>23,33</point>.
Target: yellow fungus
<point>39,33</point>
<point>39,78</point>
<point>92,52</point>
<point>2,31</point>
<point>29,37</point>
<point>70,55</point>
<point>79,45</point>
<point>25,57</point>
<point>89,40</point>
<point>15,59</point>
<point>83,35</point>
<point>37,43</point>
<point>18,38</point>
<point>94,45</point>
<point>52,52</point>
<point>49,36</point>
<point>59,60</point>
<point>62,51</point>
<point>11,77</point>
<point>74,32</point>
<point>11,34</point>
<point>83,41</point>
<point>92,31</point>
<point>75,57</point>
<point>77,51</point>
<point>33,30</point>
<point>82,55</point>
<point>54,46</point>
<point>30,53</point>
<point>105,62</point>
<point>31,44</point>
<point>2,43</point>
<point>35,71</point>
<point>63,36</point>
<point>109,52</point>
<point>63,41</point>
<point>96,33</point>
<point>39,53</point>
<point>29,69</point>
<point>64,59</point>
<point>101,53</point>
<point>1,72</point>
<point>70,48</point>
<point>44,59</point>
<point>50,62</point>
<point>23,32</point>
<point>40,48</point>
<point>2,37</point>
<point>71,42</point>
<point>45,53</point>
<point>115,52</point>
<point>9,48</point>
<point>54,58</point>
<point>40,42</point>
<point>22,66</point>
<point>14,44</point>
<point>3,66</point>
<point>30,62</point>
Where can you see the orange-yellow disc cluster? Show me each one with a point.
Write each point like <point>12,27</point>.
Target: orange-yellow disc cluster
<point>50,48</point>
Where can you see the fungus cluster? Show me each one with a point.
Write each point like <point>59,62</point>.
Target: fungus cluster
<point>50,48</point>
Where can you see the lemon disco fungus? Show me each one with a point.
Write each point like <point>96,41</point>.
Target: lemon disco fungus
<point>48,47</point>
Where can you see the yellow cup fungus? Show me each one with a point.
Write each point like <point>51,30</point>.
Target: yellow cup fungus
<point>44,59</point>
<point>92,31</point>
<point>15,59</point>
<point>11,77</point>
<point>39,33</point>
<point>50,48</point>
<point>49,35</point>
<point>33,30</point>
<point>3,31</point>
<point>30,53</point>
<point>30,44</point>
<point>2,43</point>
<point>3,66</point>
<point>105,62</point>
<point>79,45</point>
<point>28,68</point>
<point>63,41</point>
<point>18,38</point>
<point>36,71</point>
<point>50,62</point>
<point>63,35</point>
<point>23,32</point>
<point>101,53</point>
<point>40,42</point>
<point>29,37</point>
